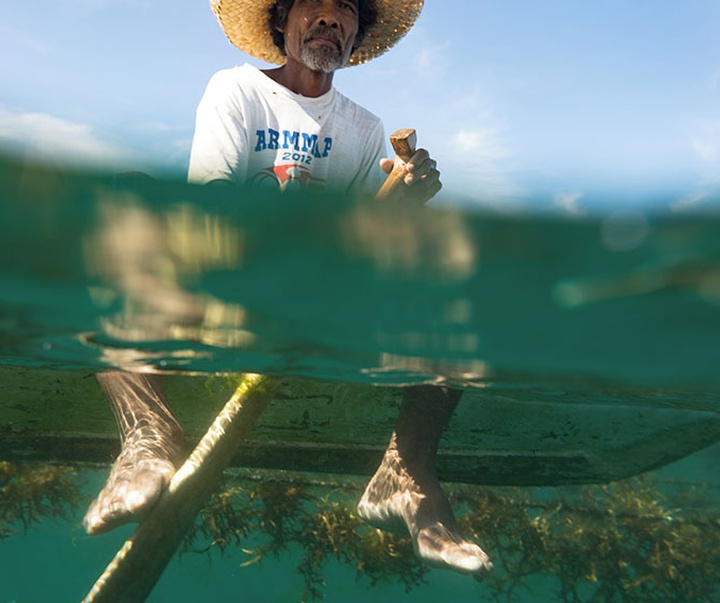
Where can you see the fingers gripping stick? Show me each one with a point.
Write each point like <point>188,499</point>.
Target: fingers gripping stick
<point>403,142</point>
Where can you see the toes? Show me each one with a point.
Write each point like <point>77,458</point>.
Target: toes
<point>105,515</point>
<point>126,498</point>
<point>442,548</point>
<point>469,558</point>
<point>93,523</point>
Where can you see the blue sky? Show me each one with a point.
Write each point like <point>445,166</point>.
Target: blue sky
<point>508,95</point>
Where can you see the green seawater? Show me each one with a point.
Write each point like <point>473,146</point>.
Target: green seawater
<point>100,271</point>
<point>207,279</point>
<point>58,562</point>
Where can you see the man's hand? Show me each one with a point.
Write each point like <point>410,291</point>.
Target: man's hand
<point>421,176</point>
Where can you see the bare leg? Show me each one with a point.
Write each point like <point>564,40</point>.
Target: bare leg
<point>152,446</point>
<point>405,492</point>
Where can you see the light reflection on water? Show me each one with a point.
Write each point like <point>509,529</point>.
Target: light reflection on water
<point>205,280</point>
<point>602,317</point>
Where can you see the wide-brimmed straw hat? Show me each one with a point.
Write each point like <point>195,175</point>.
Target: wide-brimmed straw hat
<point>245,23</point>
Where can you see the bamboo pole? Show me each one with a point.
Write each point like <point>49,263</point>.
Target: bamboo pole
<point>140,562</point>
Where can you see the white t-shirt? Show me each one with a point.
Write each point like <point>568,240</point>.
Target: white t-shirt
<point>251,130</point>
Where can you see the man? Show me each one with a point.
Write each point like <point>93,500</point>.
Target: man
<point>288,126</point>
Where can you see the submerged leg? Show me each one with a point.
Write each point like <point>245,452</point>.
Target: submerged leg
<point>405,491</point>
<point>152,446</point>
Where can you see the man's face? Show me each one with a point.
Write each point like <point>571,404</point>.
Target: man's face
<point>320,33</point>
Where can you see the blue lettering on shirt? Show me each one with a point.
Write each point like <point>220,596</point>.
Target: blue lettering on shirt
<point>328,146</point>
<point>310,144</point>
<point>291,140</point>
<point>261,144</point>
<point>274,136</point>
<point>273,140</point>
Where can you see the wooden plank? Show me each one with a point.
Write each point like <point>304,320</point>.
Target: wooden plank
<point>518,436</point>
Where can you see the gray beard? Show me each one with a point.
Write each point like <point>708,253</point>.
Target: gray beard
<point>320,59</point>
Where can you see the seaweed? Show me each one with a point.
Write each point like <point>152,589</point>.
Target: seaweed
<point>619,542</point>
<point>638,540</point>
<point>278,515</point>
<point>31,492</point>
<point>616,543</point>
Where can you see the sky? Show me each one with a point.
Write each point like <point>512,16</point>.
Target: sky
<point>521,102</point>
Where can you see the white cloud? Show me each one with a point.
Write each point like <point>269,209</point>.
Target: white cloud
<point>431,62</point>
<point>569,202</point>
<point>483,143</point>
<point>476,158</point>
<point>706,146</point>
<point>49,138</point>
<point>692,201</point>
<point>466,142</point>
<point>478,163</point>
<point>707,150</point>
<point>478,132</point>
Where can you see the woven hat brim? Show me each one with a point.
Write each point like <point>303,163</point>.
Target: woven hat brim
<point>245,23</point>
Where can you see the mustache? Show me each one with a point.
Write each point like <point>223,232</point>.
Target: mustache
<point>324,31</point>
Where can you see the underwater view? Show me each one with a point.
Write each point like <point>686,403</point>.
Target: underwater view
<point>581,455</point>
<point>485,371</point>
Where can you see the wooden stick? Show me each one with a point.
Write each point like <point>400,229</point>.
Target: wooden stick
<point>403,142</point>
<point>140,562</point>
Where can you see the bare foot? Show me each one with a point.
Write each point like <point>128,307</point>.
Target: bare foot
<point>397,499</point>
<point>138,477</point>
<point>152,447</point>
